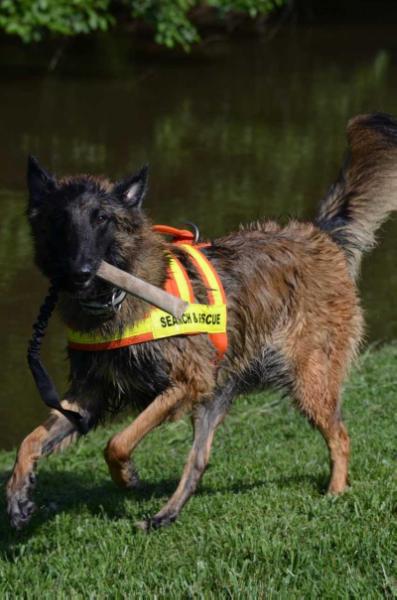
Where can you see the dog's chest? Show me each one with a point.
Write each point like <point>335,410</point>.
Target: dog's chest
<point>132,375</point>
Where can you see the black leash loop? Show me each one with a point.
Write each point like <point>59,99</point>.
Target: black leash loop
<point>44,383</point>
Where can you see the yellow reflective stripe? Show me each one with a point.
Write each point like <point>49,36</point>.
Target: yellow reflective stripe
<point>213,283</point>
<point>140,328</point>
<point>198,318</point>
<point>180,279</point>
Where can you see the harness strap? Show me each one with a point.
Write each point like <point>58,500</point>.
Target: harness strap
<point>178,283</point>
<point>215,290</point>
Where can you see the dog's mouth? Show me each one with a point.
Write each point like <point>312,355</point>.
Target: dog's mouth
<point>96,297</point>
<point>81,289</point>
<point>78,287</point>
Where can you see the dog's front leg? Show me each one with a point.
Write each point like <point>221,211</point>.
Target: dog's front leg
<point>121,445</point>
<point>206,419</point>
<point>55,434</point>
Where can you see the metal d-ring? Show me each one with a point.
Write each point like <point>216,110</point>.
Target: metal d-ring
<point>117,298</point>
<point>196,230</point>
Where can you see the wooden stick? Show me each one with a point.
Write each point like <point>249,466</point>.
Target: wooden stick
<point>142,289</point>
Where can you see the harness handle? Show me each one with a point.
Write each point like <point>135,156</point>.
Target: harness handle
<point>180,236</point>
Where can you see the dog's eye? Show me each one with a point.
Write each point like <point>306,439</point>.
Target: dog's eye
<point>101,218</point>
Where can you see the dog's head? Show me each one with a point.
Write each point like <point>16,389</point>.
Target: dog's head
<point>77,222</point>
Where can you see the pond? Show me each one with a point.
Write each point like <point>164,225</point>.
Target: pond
<point>234,132</point>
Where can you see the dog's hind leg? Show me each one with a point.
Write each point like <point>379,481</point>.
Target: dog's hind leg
<point>54,435</point>
<point>338,442</point>
<point>206,419</point>
<point>318,397</point>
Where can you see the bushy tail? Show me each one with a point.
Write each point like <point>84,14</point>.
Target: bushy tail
<point>365,192</point>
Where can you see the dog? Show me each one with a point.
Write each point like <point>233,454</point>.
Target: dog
<point>294,320</point>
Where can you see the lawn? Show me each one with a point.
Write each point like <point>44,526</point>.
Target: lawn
<point>259,527</point>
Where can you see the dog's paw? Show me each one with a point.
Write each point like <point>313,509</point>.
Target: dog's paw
<point>20,510</point>
<point>156,522</point>
<point>20,506</point>
<point>131,477</point>
<point>125,475</point>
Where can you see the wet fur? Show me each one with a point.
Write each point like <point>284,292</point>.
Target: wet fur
<point>294,317</point>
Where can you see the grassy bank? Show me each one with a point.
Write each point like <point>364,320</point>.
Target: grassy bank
<point>260,525</point>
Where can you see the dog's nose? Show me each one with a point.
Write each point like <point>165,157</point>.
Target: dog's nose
<point>82,274</point>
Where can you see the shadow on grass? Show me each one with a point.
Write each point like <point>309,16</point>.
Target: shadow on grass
<point>66,492</point>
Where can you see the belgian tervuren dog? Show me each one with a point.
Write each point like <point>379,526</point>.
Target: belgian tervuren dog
<point>294,316</point>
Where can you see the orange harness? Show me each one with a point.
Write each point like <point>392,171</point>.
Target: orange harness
<point>208,318</point>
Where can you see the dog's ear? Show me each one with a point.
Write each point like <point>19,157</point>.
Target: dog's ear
<point>132,190</point>
<point>40,182</point>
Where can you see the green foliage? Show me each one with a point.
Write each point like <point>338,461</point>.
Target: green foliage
<point>31,19</point>
<point>259,527</point>
<point>171,20</point>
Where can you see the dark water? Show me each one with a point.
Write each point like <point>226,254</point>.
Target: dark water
<point>233,133</point>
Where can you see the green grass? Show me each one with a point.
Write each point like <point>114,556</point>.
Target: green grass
<point>259,527</point>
